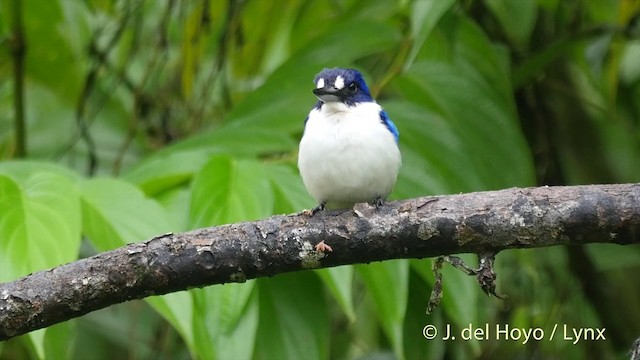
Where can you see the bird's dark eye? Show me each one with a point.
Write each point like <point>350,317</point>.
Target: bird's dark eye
<point>352,87</point>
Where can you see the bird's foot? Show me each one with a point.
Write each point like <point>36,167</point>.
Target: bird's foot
<point>321,246</point>
<point>316,209</point>
<point>378,202</point>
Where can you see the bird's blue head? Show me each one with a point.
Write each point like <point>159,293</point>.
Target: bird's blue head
<point>341,85</point>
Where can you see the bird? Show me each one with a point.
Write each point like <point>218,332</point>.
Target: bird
<point>349,151</point>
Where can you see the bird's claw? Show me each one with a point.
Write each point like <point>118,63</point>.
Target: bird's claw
<point>378,202</point>
<point>315,210</point>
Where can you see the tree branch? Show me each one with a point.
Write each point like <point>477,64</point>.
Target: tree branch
<point>415,228</point>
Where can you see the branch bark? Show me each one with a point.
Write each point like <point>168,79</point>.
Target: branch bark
<point>415,228</point>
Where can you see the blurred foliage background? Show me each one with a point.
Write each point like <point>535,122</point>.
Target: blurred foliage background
<point>121,120</point>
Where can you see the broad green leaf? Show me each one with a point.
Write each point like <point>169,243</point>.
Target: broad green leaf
<point>176,204</point>
<point>418,178</point>
<point>339,282</point>
<point>225,321</point>
<point>116,213</point>
<point>290,195</point>
<point>39,223</point>
<point>629,67</point>
<point>228,190</point>
<point>488,64</point>
<point>166,170</point>
<point>177,164</point>
<point>612,257</point>
<point>461,111</point>
<point>607,11</point>
<point>13,233</point>
<point>415,344</point>
<point>486,128</point>
<point>275,32</point>
<point>294,321</point>
<point>517,19</point>
<point>22,170</point>
<point>621,149</point>
<point>475,113</point>
<point>433,152</point>
<point>388,284</point>
<point>58,340</point>
<point>39,227</point>
<point>238,140</point>
<point>425,15</point>
<point>177,309</point>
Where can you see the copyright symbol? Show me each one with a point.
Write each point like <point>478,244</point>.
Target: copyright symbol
<point>429,332</point>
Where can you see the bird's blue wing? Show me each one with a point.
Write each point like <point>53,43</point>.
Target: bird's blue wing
<point>384,118</point>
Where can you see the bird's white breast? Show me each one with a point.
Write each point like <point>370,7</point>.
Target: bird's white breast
<point>347,155</point>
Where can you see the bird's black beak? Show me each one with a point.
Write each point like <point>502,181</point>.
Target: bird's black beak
<point>326,94</point>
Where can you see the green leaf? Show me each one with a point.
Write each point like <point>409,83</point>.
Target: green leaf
<point>294,321</point>
<point>416,320</point>
<point>57,340</point>
<point>290,195</point>
<point>339,282</point>
<point>22,170</point>
<point>609,257</point>
<point>388,284</point>
<point>166,170</point>
<point>276,31</point>
<point>434,158</point>
<point>424,17</point>
<point>116,213</point>
<point>177,309</point>
<point>468,118</point>
<point>177,164</point>
<point>39,223</point>
<point>517,19</point>
<point>228,190</point>
<point>486,126</point>
<point>176,203</point>
<point>39,226</point>
<point>13,234</point>
<point>226,321</point>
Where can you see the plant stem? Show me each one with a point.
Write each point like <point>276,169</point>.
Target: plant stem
<point>18,50</point>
